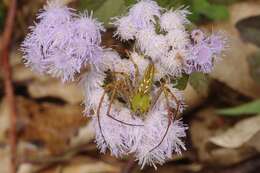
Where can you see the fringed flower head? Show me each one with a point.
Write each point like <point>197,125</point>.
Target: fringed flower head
<point>141,16</point>
<point>62,43</point>
<point>174,19</point>
<point>205,51</point>
<point>144,12</point>
<point>151,44</point>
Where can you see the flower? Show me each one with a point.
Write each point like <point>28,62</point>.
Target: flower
<point>153,139</point>
<point>92,88</point>
<point>178,39</point>
<point>131,100</point>
<point>113,62</point>
<point>55,13</point>
<point>88,28</point>
<point>172,20</point>
<point>141,16</point>
<point>141,141</point>
<point>87,39</point>
<point>140,61</point>
<point>151,44</point>
<point>143,13</point>
<point>204,51</point>
<point>151,136</point>
<point>36,46</point>
<point>126,30</point>
<point>174,63</point>
<point>62,43</point>
<point>218,43</point>
<point>113,135</point>
<point>197,35</point>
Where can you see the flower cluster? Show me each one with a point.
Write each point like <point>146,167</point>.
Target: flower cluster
<point>62,43</point>
<point>162,35</point>
<point>161,39</point>
<point>133,104</point>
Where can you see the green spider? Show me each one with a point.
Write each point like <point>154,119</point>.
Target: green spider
<point>137,95</point>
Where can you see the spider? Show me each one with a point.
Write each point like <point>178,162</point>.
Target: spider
<point>137,94</point>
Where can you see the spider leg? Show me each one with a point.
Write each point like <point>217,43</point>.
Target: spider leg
<point>127,78</point>
<point>175,99</point>
<point>158,94</point>
<point>171,115</point>
<point>110,107</point>
<point>98,116</point>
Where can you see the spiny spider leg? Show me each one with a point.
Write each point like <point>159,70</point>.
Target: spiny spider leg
<point>171,115</point>
<point>110,106</point>
<point>176,101</point>
<point>127,79</point>
<point>159,93</point>
<point>98,115</point>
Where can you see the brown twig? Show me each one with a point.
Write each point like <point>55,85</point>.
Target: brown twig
<point>9,91</point>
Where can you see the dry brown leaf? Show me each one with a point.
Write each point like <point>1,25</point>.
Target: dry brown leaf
<point>233,70</point>
<point>85,165</point>
<point>204,126</point>
<point>49,125</point>
<point>71,93</point>
<point>192,98</point>
<point>238,135</point>
<point>4,160</point>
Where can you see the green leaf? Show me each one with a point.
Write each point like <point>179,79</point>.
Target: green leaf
<point>104,9</point>
<point>211,11</point>
<point>130,2</point>
<point>181,82</point>
<point>254,64</point>
<point>216,12</point>
<point>2,15</point>
<point>249,108</point>
<point>91,5</point>
<point>173,3</point>
<point>200,82</point>
<point>224,2</point>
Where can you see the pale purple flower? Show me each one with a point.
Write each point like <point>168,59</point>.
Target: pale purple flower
<point>141,16</point>
<point>218,43</point>
<point>55,13</point>
<point>151,135</point>
<point>47,34</point>
<point>140,141</point>
<point>121,139</point>
<point>88,29</point>
<point>126,30</point>
<point>152,44</point>
<point>87,39</point>
<point>201,58</point>
<point>62,43</point>
<point>204,52</point>
<point>140,61</point>
<point>144,12</point>
<point>92,88</point>
<point>177,39</point>
<point>174,62</point>
<point>112,61</point>
<point>174,19</point>
<point>197,35</point>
